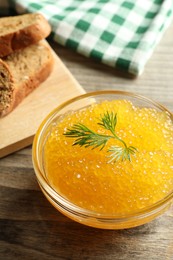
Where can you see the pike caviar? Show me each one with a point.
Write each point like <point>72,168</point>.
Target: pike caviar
<point>84,176</point>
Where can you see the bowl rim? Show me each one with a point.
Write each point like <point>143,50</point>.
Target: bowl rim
<point>65,203</point>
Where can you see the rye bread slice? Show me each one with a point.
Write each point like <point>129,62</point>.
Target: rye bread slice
<point>6,87</point>
<point>21,72</point>
<point>18,32</point>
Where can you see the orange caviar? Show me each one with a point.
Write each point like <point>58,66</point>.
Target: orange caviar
<point>84,176</point>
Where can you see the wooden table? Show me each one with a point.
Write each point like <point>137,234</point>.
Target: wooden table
<point>30,228</point>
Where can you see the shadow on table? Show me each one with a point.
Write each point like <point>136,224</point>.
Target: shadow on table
<point>40,230</point>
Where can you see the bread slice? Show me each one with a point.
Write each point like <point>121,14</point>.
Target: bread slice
<point>18,32</point>
<point>6,87</point>
<point>21,72</point>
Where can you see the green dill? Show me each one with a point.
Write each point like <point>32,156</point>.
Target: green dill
<point>88,138</point>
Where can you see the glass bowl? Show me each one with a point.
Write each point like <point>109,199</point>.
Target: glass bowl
<point>62,203</point>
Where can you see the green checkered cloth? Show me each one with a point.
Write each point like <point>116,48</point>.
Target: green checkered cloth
<point>119,33</point>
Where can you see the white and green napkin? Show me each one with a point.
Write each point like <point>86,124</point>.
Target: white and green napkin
<point>119,33</point>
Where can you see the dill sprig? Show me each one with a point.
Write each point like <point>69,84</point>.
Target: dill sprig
<point>86,137</point>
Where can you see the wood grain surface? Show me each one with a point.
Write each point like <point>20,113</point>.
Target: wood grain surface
<point>30,228</point>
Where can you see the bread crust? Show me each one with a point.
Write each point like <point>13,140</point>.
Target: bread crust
<point>24,88</point>
<point>25,36</point>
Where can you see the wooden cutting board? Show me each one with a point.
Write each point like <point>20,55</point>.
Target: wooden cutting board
<point>19,127</point>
